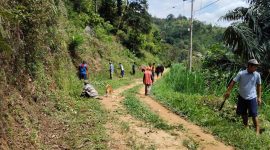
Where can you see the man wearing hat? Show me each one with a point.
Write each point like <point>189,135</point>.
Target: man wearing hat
<point>89,91</point>
<point>249,93</point>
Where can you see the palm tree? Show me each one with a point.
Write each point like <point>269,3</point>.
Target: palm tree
<point>249,37</point>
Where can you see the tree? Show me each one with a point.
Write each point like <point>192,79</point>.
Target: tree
<point>170,17</point>
<point>119,7</point>
<point>249,38</point>
<point>108,10</point>
<point>137,16</point>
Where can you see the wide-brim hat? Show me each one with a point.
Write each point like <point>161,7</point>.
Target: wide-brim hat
<point>253,61</point>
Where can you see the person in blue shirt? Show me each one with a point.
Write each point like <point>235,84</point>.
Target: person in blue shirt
<point>83,71</point>
<point>249,93</point>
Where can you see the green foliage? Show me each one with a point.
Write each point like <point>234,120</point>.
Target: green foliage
<point>218,58</point>
<point>134,42</point>
<point>137,17</point>
<point>119,7</point>
<point>122,35</point>
<point>249,38</point>
<point>4,47</point>
<point>82,13</point>
<point>191,144</point>
<point>241,38</point>
<point>175,37</point>
<point>201,82</point>
<point>75,42</point>
<point>102,33</point>
<point>108,10</point>
<point>82,6</point>
<point>95,19</point>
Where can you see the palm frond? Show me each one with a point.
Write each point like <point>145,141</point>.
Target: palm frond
<point>252,18</point>
<point>238,13</point>
<point>265,3</point>
<point>241,39</point>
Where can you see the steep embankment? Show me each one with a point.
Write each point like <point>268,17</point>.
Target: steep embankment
<point>39,50</point>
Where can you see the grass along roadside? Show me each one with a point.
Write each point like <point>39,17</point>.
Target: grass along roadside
<point>83,119</point>
<point>141,111</point>
<point>201,109</point>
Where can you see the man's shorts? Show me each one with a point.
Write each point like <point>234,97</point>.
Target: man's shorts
<point>245,107</point>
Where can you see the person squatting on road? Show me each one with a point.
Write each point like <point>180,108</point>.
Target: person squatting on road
<point>89,91</point>
<point>147,80</point>
<point>249,93</point>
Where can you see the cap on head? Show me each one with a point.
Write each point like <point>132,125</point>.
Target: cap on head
<point>253,62</point>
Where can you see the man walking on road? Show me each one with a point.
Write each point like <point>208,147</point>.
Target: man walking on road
<point>153,69</point>
<point>133,68</point>
<point>249,93</point>
<point>122,70</point>
<point>111,70</point>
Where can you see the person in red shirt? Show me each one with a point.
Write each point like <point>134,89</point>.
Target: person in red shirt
<point>147,80</point>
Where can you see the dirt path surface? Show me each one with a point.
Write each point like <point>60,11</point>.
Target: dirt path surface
<point>206,141</point>
<point>126,132</point>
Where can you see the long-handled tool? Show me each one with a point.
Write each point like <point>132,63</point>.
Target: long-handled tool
<point>222,104</point>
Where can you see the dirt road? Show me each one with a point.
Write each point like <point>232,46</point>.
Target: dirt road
<point>126,132</point>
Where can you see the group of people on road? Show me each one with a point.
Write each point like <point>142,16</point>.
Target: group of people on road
<point>249,80</point>
<point>84,73</point>
<point>148,77</point>
<point>122,70</point>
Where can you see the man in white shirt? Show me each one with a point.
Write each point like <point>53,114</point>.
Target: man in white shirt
<point>122,70</point>
<point>249,93</point>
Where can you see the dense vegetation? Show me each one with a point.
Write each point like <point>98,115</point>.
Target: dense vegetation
<point>249,37</point>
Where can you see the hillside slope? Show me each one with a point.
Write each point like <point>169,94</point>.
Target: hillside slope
<point>39,88</point>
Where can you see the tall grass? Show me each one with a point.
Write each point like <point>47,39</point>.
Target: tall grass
<point>197,82</point>
<point>198,96</point>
